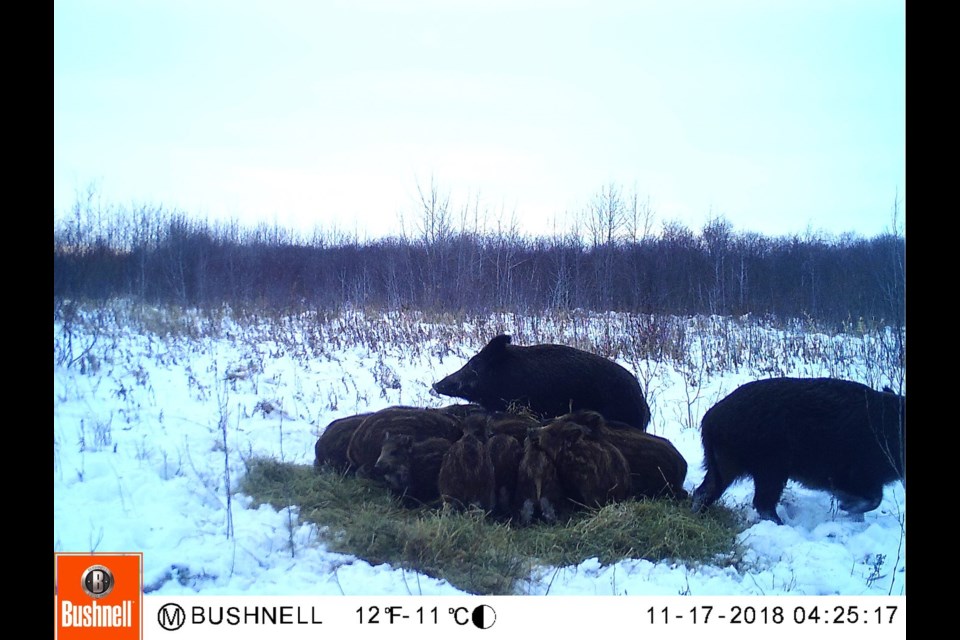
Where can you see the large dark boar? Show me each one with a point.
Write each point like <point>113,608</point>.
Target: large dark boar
<point>835,435</point>
<point>331,447</point>
<point>367,440</point>
<point>548,379</point>
<point>657,469</point>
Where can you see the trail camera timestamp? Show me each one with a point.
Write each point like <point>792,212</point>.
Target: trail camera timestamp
<point>767,615</point>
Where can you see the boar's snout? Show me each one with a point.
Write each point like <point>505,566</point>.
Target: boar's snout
<point>447,387</point>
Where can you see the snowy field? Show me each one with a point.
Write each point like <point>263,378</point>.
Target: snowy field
<point>154,414</point>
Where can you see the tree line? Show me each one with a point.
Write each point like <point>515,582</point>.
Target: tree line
<point>604,262</point>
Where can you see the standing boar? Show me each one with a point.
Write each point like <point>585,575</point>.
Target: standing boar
<point>834,435</point>
<point>411,468</point>
<point>549,380</point>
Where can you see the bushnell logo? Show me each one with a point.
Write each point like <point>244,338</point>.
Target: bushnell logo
<point>98,596</point>
<point>97,581</point>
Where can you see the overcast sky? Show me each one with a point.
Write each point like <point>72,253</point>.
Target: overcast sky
<point>781,116</point>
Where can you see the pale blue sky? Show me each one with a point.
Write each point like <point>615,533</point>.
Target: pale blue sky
<point>781,116</point>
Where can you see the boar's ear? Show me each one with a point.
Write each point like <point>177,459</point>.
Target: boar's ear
<point>577,433</point>
<point>533,435</point>
<point>591,421</point>
<point>497,344</point>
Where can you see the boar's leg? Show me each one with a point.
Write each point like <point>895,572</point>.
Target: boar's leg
<point>767,489</point>
<point>709,491</point>
<point>548,513</point>
<point>859,504</point>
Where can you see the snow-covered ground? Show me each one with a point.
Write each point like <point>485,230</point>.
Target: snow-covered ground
<point>148,425</point>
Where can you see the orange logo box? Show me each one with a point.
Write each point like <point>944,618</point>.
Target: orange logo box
<point>98,596</point>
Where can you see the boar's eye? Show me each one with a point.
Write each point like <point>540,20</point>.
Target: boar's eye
<point>471,372</point>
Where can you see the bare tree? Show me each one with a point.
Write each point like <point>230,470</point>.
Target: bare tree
<point>717,239</point>
<point>606,216</point>
<point>435,224</point>
<point>638,217</point>
<point>506,245</point>
<point>433,231</point>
